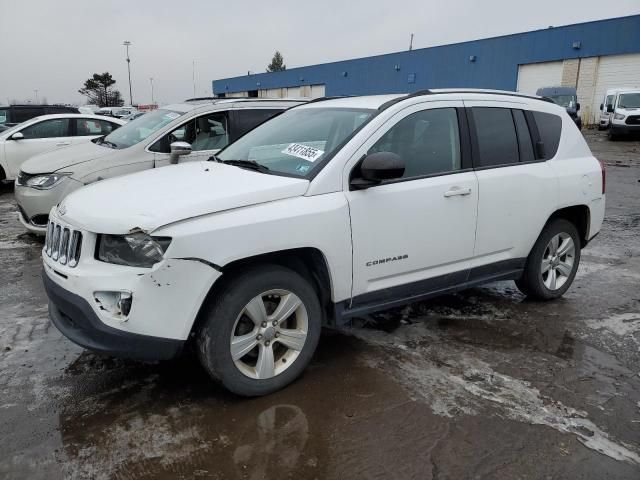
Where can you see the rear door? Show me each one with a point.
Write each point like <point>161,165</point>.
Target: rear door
<point>84,129</point>
<point>517,190</point>
<point>38,137</point>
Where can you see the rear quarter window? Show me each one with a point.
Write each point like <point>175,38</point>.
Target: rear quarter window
<point>550,130</point>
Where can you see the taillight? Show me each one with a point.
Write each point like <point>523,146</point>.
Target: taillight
<point>604,176</point>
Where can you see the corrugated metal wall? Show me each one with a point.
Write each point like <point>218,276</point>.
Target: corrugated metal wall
<point>488,63</point>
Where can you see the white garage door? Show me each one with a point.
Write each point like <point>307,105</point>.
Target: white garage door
<point>616,71</point>
<point>533,76</point>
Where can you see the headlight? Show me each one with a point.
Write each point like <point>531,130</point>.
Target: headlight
<point>44,182</point>
<point>619,116</point>
<point>134,250</point>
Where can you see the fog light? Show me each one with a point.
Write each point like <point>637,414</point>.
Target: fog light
<point>117,304</point>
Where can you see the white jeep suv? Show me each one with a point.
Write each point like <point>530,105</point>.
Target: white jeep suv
<point>333,209</point>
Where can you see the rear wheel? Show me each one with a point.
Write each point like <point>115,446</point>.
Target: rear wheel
<point>261,330</point>
<point>553,262</point>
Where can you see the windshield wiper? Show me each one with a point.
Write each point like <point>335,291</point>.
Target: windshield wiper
<point>249,164</point>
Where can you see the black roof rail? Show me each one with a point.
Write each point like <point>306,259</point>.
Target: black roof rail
<point>322,99</point>
<point>488,92</point>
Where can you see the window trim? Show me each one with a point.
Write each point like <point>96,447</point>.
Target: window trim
<point>68,134</point>
<point>465,150</point>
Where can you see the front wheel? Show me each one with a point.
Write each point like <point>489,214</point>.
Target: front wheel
<point>261,330</point>
<point>552,263</point>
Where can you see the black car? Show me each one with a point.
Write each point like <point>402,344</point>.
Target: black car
<point>14,114</point>
<point>565,97</point>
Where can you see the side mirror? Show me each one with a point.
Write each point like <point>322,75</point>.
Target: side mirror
<point>17,136</point>
<point>610,108</point>
<point>377,167</point>
<point>601,106</point>
<point>577,106</point>
<point>179,149</point>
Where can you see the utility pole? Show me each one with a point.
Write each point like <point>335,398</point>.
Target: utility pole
<point>151,80</point>
<point>411,43</point>
<point>127,43</point>
<point>193,77</point>
<point>36,96</point>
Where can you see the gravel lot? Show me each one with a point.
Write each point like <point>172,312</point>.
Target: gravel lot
<point>484,384</point>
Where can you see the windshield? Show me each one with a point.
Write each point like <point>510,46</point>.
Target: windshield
<point>566,101</point>
<point>296,142</point>
<point>139,129</point>
<point>629,100</point>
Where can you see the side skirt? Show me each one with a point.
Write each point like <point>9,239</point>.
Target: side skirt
<point>425,289</point>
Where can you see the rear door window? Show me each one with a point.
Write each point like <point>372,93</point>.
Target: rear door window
<point>497,142</point>
<point>550,129</point>
<point>90,126</point>
<point>245,120</point>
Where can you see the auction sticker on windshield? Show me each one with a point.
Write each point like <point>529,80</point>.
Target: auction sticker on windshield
<point>309,154</point>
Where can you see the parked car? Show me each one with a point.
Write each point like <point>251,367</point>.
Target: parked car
<point>49,132</point>
<point>117,112</point>
<point>182,131</point>
<point>132,116</point>
<point>14,114</point>
<point>331,210</point>
<point>623,113</point>
<point>90,109</point>
<point>567,98</point>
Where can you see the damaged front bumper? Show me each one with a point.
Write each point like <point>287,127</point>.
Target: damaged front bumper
<point>161,306</point>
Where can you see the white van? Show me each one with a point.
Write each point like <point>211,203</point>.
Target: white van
<point>620,112</point>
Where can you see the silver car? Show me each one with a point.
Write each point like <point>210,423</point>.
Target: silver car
<point>179,132</point>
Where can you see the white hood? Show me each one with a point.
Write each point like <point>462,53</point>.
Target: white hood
<point>65,158</point>
<point>150,199</point>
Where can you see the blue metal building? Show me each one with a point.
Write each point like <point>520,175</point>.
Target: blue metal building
<point>487,63</point>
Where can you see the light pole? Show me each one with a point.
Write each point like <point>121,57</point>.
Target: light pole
<point>193,77</point>
<point>151,80</point>
<point>127,43</point>
<point>36,96</point>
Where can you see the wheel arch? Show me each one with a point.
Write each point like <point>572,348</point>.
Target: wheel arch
<point>579,215</point>
<point>308,262</point>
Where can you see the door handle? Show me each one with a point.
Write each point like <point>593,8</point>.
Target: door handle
<point>457,191</point>
<point>62,144</point>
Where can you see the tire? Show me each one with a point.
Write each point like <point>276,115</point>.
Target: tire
<point>235,313</point>
<point>611,136</point>
<point>554,282</point>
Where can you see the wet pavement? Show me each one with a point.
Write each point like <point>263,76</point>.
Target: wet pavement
<point>483,384</point>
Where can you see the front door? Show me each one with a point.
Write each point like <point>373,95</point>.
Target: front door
<point>206,134</point>
<point>417,233</point>
<point>37,138</point>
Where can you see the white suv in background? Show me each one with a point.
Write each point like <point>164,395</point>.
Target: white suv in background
<point>331,210</point>
<point>189,131</point>
<point>48,132</point>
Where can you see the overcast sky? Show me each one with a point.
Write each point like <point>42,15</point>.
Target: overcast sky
<point>53,46</point>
